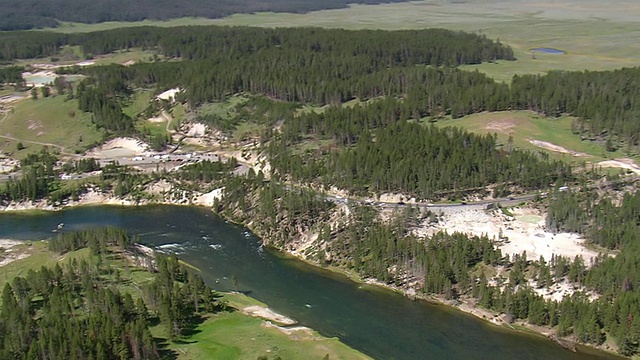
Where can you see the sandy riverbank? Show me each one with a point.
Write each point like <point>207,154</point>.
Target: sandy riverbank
<point>8,253</point>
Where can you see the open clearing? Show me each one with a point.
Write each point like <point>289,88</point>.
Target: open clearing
<point>535,132</point>
<point>594,34</point>
<point>122,57</point>
<point>120,147</point>
<point>52,121</point>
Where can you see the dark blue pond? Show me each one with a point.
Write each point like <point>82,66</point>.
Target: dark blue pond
<point>549,51</point>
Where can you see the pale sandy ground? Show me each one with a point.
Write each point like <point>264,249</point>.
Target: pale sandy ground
<point>268,314</point>
<point>297,331</point>
<point>559,290</point>
<point>144,250</point>
<point>208,198</point>
<point>91,197</point>
<point>7,255</point>
<point>524,232</point>
<point>56,66</point>
<point>120,147</point>
<point>169,95</point>
<point>157,119</point>
<point>7,165</point>
<point>623,163</point>
<point>556,148</point>
<point>197,130</point>
<point>392,198</point>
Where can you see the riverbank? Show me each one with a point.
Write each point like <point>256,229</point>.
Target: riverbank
<point>465,305</point>
<point>243,328</point>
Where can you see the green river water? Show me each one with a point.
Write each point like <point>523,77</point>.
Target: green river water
<point>373,320</point>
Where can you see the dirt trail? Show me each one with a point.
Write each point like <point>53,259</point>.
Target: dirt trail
<point>169,120</point>
<point>556,148</point>
<point>628,164</point>
<point>62,149</point>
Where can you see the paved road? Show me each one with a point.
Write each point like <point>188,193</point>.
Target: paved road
<point>434,206</point>
<point>171,161</point>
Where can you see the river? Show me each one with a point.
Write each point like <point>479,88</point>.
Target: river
<point>373,320</point>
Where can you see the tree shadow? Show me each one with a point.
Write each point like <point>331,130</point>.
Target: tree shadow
<point>163,349</point>
<point>191,329</point>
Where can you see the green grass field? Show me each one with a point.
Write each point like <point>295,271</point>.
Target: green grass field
<point>525,126</point>
<point>233,335</point>
<point>126,57</point>
<point>53,122</point>
<point>138,103</point>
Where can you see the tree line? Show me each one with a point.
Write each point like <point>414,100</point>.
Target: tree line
<point>375,47</point>
<point>330,66</point>
<point>11,75</point>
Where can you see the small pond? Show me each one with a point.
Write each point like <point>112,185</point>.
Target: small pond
<point>549,51</point>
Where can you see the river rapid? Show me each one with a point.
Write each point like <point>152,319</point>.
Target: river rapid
<point>376,321</point>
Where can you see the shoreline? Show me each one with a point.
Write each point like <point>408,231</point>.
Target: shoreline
<point>464,304</point>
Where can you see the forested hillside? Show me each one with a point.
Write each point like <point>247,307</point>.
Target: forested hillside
<point>76,311</point>
<point>401,80</point>
<point>321,66</point>
<point>20,15</point>
<point>422,161</point>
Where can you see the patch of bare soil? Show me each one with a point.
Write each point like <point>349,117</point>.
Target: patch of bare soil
<point>268,314</point>
<point>502,125</point>
<point>34,124</point>
<point>555,148</point>
<point>623,163</point>
<point>294,332</point>
<point>8,253</point>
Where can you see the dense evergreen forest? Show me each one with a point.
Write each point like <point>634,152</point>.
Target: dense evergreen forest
<point>322,66</point>
<point>331,66</point>
<point>11,75</point>
<point>21,15</point>
<point>76,310</point>
<point>422,161</point>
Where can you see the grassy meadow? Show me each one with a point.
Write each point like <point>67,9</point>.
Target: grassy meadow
<point>53,121</point>
<point>233,335</point>
<point>37,255</point>
<point>525,126</point>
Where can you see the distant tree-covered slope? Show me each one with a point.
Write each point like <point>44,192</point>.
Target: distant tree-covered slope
<point>40,13</point>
